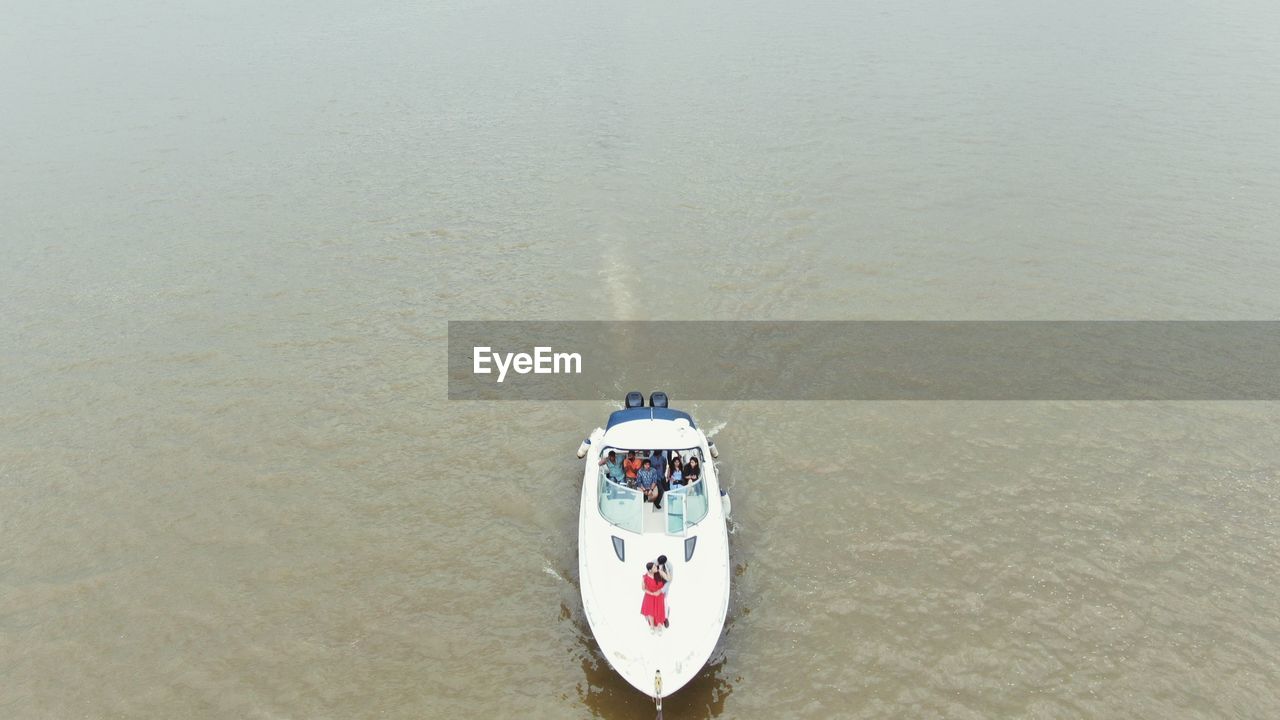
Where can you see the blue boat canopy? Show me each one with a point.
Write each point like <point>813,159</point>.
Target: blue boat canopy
<point>647,413</point>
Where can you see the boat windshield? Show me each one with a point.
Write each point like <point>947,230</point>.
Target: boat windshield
<point>686,506</point>
<point>621,505</point>
<point>622,502</point>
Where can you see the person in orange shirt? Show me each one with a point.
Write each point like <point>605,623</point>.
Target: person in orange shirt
<point>630,467</point>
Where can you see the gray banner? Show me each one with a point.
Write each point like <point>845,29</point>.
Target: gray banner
<point>857,360</point>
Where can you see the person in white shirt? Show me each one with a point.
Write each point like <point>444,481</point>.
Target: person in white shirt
<point>664,569</point>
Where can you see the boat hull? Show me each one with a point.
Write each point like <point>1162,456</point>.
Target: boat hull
<point>697,598</point>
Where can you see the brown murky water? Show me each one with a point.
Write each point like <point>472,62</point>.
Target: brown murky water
<point>231,235</point>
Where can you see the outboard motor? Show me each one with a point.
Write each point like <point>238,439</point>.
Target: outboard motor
<point>635,399</point>
<point>658,399</point>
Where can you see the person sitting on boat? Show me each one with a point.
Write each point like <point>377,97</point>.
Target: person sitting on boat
<point>675,473</point>
<point>613,468</point>
<point>631,467</point>
<point>692,471</point>
<point>651,483</point>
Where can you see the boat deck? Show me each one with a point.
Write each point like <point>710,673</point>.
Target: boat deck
<point>655,521</point>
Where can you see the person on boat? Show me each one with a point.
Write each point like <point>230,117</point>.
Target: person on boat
<point>664,572</point>
<point>659,460</point>
<point>613,468</point>
<point>654,605</point>
<point>650,482</point>
<point>675,473</point>
<point>692,471</point>
<point>631,467</point>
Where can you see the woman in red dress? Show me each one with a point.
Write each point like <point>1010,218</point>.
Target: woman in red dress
<point>654,607</point>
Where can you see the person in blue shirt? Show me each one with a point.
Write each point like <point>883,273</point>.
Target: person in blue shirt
<point>613,468</point>
<point>675,471</point>
<point>650,483</point>
<point>659,460</point>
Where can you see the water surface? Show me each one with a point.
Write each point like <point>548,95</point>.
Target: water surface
<point>231,235</point>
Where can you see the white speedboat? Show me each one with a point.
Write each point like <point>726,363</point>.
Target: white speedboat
<point>619,532</point>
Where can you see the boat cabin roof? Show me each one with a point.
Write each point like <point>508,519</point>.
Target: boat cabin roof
<point>649,428</point>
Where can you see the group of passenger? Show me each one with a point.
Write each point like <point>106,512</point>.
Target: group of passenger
<point>657,473</point>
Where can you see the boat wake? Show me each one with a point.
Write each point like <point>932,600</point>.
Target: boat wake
<point>552,572</point>
<point>716,428</point>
